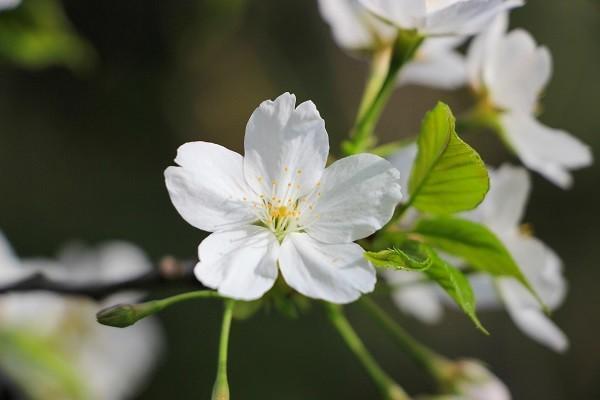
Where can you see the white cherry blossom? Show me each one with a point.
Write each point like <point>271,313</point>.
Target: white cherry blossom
<point>475,382</point>
<point>110,363</point>
<point>436,63</point>
<point>9,4</point>
<point>510,71</point>
<point>439,17</point>
<point>279,209</point>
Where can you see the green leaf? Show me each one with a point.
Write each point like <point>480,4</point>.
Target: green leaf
<point>246,309</point>
<point>448,175</point>
<point>37,34</point>
<point>28,358</point>
<point>411,255</point>
<point>474,243</point>
<point>456,285</point>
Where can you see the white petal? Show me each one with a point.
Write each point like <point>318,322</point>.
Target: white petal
<point>9,4</point>
<point>115,362</point>
<point>357,196</point>
<point>110,262</point>
<point>504,205</point>
<point>481,46</point>
<point>485,292</point>
<point>516,71</point>
<point>286,148</point>
<point>337,273</point>
<point>444,70</point>
<point>10,268</point>
<point>240,263</point>
<point>466,17</point>
<point>419,299</point>
<point>353,27</point>
<point>403,160</point>
<point>208,189</point>
<point>551,152</point>
<point>542,267</point>
<point>531,320</point>
<point>405,14</point>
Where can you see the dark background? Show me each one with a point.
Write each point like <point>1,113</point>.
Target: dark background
<point>82,156</point>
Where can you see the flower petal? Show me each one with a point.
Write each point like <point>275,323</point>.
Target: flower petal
<point>531,320</point>
<point>405,14</point>
<point>208,189</point>
<point>504,206</point>
<point>559,153</point>
<point>516,71</point>
<point>465,17</point>
<point>403,161</point>
<point>542,267</point>
<point>419,299</point>
<point>337,273</point>
<point>357,196</point>
<point>437,65</point>
<point>10,268</point>
<point>481,46</point>
<point>286,148</point>
<point>353,27</point>
<point>240,263</point>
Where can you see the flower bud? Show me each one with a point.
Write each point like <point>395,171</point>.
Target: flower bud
<point>470,380</point>
<point>121,315</point>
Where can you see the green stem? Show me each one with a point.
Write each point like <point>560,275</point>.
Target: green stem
<point>378,90</point>
<point>221,387</point>
<point>390,390</point>
<point>123,315</point>
<point>435,364</point>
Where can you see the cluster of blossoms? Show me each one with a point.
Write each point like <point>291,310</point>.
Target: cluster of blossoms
<point>96,362</point>
<point>283,218</point>
<point>279,208</point>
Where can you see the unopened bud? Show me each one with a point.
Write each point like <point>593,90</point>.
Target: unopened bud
<point>124,315</point>
<point>471,380</point>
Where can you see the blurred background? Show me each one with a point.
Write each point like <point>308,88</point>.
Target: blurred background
<point>93,108</point>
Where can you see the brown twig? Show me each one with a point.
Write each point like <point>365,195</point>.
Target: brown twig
<point>169,274</point>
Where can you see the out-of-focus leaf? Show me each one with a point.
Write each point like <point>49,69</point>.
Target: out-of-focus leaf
<point>246,309</point>
<point>448,175</point>
<point>37,34</point>
<point>28,359</point>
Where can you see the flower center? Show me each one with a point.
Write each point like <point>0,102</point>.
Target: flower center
<point>281,217</point>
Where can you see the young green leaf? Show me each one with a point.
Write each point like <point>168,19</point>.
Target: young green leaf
<point>472,242</point>
<point>456,285</point>
<point>448,175</point>
<point>411,255</point>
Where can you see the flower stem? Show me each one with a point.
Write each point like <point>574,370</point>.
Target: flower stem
<point>123,315</point>
<point>433,363</point>
<point>380,85</point>
<point>390,390</point>
<point>221,386</point>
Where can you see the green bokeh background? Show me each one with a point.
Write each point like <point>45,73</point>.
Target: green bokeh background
<point>82,156</point>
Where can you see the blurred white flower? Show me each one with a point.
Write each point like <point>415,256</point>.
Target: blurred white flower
<point>112,364</point>
<point>280,205</point>
<point>510,71</point>
<point>439,17</point>
<point>475,382</point>
<point>502,211</point>
<point>436,63</point>
<point>9,4</point>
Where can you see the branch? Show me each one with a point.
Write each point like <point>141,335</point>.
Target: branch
<point>169,274</point>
